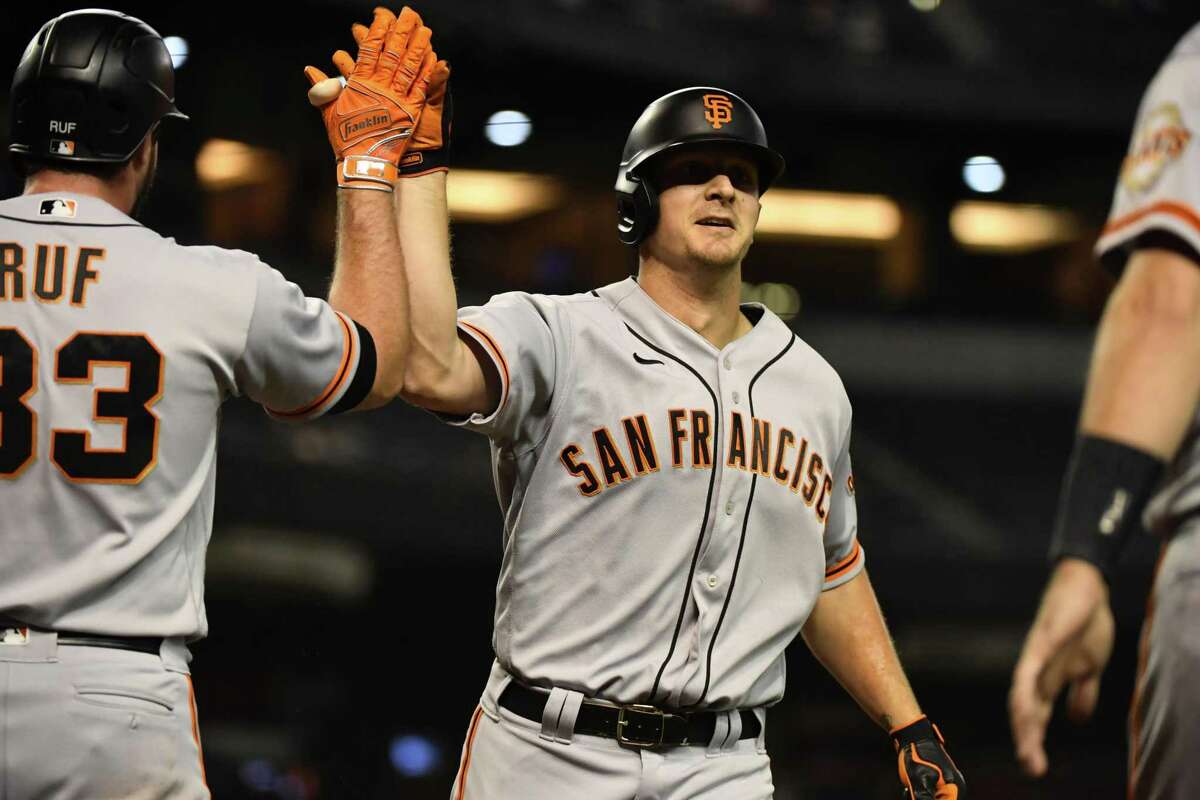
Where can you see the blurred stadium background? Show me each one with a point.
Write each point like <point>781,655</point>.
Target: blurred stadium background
<point>949,166</point>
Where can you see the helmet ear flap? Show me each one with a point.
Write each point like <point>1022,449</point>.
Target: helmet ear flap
<point>637,209</point>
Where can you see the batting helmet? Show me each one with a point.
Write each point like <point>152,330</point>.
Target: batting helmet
<point>697,115</point>
<point>89,87</point>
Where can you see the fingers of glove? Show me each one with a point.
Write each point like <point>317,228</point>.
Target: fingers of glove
<point>359,32</point>
<point>424,76</point>
<point>396,45</point>
<point>414,61</point>
<point>438,79</point>
<point>344,63</point>
<point>927,780</point>
<point>372,43</point>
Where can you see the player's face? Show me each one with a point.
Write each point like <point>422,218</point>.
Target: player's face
<point>708,206</point>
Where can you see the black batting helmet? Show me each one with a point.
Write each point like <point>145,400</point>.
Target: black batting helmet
<point>89,87</point>
<point>697,115</point>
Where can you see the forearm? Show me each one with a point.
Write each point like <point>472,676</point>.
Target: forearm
<point>1144,381</point>
<point>441,373</point>
<point>369,284</point>
<point>847,634</point>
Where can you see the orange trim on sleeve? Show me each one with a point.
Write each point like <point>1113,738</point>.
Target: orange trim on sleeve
<point>339,377</point>
<point>845,565</point>
<point>466,759</point>
<point>1179,210</point>
<point>497,354</point>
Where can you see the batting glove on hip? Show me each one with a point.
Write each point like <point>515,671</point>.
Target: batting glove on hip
<point>926,769</point>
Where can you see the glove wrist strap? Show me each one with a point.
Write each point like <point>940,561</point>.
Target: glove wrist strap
<point>915,731</point>
<point>366,172</point>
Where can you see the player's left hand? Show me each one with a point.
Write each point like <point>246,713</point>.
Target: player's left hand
<point>1070,643</point>
<point>926,769</point>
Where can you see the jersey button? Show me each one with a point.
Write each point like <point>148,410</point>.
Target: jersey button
<point>737,398</point>
<point>729,508</point>
<point>728,363</point>
<point>713,581</point>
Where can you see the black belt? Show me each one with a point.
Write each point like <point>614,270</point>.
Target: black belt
<point>140,644</point>
<point>633,725</point>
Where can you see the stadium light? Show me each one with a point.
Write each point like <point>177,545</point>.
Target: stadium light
<point>983,174</point>
<point>508,128</point>
<point>177,46</point>
<point>828,215</point>
<point>485,196</point>
<point>1012,228</point>
<point>225,164</point>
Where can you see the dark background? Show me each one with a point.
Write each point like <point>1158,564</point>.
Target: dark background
<point>353,563</point>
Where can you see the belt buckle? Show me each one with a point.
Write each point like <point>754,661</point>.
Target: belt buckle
<point>623,722</point>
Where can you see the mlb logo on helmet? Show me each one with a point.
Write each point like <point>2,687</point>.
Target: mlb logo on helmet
<point>62,147</point>
<point>718,110</point>
<point>58,207</point>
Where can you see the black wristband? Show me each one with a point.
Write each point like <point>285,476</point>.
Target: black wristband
<point>1105,489</point>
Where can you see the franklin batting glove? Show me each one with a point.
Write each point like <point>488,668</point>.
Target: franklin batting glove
<point>926,769</point>
<point>371,121</point>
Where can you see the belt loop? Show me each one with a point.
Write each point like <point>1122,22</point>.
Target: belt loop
<point>559,715</point>
<point>727,727</point>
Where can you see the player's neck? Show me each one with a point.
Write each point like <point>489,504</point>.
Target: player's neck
<point>120,193</point>
<point>707,302</point>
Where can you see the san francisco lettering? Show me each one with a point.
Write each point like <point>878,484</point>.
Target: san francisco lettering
<point>611,457</point>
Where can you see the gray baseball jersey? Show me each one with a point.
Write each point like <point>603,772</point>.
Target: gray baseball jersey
<point>1158,193</point>
<point>671,510</point>
<point>117,348</point>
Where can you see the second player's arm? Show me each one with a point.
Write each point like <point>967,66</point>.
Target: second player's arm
<point>847,634</point>
<point>442,372</point>
<point>1142,391</point>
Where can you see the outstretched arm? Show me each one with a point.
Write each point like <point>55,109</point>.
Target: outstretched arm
<point>443,373</point>
<point>1141,395</point>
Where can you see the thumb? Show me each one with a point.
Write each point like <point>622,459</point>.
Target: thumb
<point>324,92</point>
<point>314,75</point>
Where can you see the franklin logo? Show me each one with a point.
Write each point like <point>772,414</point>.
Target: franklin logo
<point>1159,141</point>
<point>718,110</point>
<point>364,124</point>
<point>58,207</point>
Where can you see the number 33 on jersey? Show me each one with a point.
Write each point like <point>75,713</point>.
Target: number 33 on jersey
<point>117,348</point>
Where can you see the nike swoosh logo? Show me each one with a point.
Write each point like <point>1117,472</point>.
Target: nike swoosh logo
<point>641,360</point>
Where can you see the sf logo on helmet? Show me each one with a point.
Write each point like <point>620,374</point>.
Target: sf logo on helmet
<point>718,110</point>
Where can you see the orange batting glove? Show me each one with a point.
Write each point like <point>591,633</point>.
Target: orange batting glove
<point>429,147</point>
<point>926,770</point>
<point>371,121</point>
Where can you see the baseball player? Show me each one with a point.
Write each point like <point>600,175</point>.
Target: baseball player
<point>1136,461</point>
<point>675,480</point>
<point>117,348</point>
